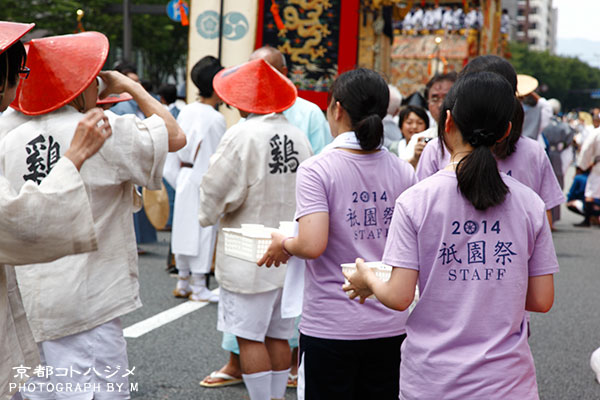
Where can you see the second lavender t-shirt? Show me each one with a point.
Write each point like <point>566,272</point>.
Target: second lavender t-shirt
<point>358,191</point>
<point>529,164</point>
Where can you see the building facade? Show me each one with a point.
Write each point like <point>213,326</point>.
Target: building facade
<point>533,22</point>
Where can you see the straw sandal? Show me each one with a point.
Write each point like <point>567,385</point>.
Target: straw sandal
<point>220,379</point>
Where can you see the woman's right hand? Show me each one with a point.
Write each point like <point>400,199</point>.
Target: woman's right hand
<point>274,254</point>
<point>359,282</point>
<point>90,134</point>
<point>419,146</point>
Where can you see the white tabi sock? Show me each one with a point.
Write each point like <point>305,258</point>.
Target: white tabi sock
<point>198,281</point>
<point>258,385</point>
<point>279,381</point>
<point>183,272</point>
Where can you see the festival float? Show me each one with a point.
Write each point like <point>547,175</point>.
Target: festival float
<point>407,41</point>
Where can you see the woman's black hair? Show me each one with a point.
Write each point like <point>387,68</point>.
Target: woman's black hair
<point>16,57</point>
<point>502,67</point>
<point>419,112</point>
<point>492,63</point>
<point>365,96</point>
<point>203,73</point>
<point>482,120</point>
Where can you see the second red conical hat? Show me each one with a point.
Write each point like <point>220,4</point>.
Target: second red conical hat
<point>10,32</point>
<point>255,87</point>
<point>62,67</point>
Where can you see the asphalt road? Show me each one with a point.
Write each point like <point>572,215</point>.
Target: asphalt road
<point>170,360</point>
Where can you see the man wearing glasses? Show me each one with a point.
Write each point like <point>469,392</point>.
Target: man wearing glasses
<point>435,92</point>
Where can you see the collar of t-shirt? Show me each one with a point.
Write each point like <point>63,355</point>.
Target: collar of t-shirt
<point>347,140</point>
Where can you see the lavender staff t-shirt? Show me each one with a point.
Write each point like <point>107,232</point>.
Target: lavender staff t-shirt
<point>467,336</point>
<point>358,191</point>
<point>529,164</point>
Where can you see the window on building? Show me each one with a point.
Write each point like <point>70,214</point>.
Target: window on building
<point>532,11</point>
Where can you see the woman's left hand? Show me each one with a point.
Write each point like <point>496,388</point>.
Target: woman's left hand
<point>274,254</point>
<point>358,285</point>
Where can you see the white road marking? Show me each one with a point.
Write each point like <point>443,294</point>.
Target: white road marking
<point>163,318</point>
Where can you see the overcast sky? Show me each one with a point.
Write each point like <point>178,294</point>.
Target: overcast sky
<point>579,19</point>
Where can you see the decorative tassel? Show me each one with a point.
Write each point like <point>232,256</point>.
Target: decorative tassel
<point>275,11</point>
<point>184,17</point>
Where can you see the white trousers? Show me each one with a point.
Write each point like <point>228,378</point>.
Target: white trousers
<point>84,366</point>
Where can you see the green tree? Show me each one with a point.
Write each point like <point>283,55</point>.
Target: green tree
<point>567,79</point>
<point>162,42</point>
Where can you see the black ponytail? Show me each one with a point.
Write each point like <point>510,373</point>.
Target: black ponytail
<point>369,132</point>
<point>365,96</point>
<point>482,105</point>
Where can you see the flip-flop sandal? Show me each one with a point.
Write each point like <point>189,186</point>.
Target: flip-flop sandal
<point>225,380</point>
<point>292,381</point>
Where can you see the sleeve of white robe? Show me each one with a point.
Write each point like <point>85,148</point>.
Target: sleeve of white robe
<point>587,154</point>
<point>224,185</point>
<point>171,169</point>
<point>137,148</point>
<point>46,222</point>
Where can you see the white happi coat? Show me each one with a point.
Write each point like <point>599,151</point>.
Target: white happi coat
<point>77,293</point>
<point>39,224</point>
<point>252,180</point>
<point>204,127</point>
<point>10,119</point>
<point>590,156</point>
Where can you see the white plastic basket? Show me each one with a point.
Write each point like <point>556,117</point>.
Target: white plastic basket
<point>383,272</point>
<point>250,242</point>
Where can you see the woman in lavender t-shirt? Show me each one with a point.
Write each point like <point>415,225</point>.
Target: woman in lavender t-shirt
<point>518,156</point>
<point>482,256</point>
<point>345,200</point>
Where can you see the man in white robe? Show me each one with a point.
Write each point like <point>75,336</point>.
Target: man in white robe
<point>589,158</point>
<point>41,223</point>
<point>193,245</point>
<point>251,179</point>
<point>73,304</point>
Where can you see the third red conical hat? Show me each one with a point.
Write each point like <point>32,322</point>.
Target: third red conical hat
<point>10,32</point>
<point>62,67</point>
<point>115,98</point>
<point>255,87</point>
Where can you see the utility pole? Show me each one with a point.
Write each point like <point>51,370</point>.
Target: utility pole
<point>126,30</point>
<point>526,28</point>
<point>128,9</point>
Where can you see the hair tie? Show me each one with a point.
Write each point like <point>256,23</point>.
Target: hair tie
<point>482,137</point>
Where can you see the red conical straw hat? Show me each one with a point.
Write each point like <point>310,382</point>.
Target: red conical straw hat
<point>61,68</point>
<point>10,32</point>
<point>255,87</point>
